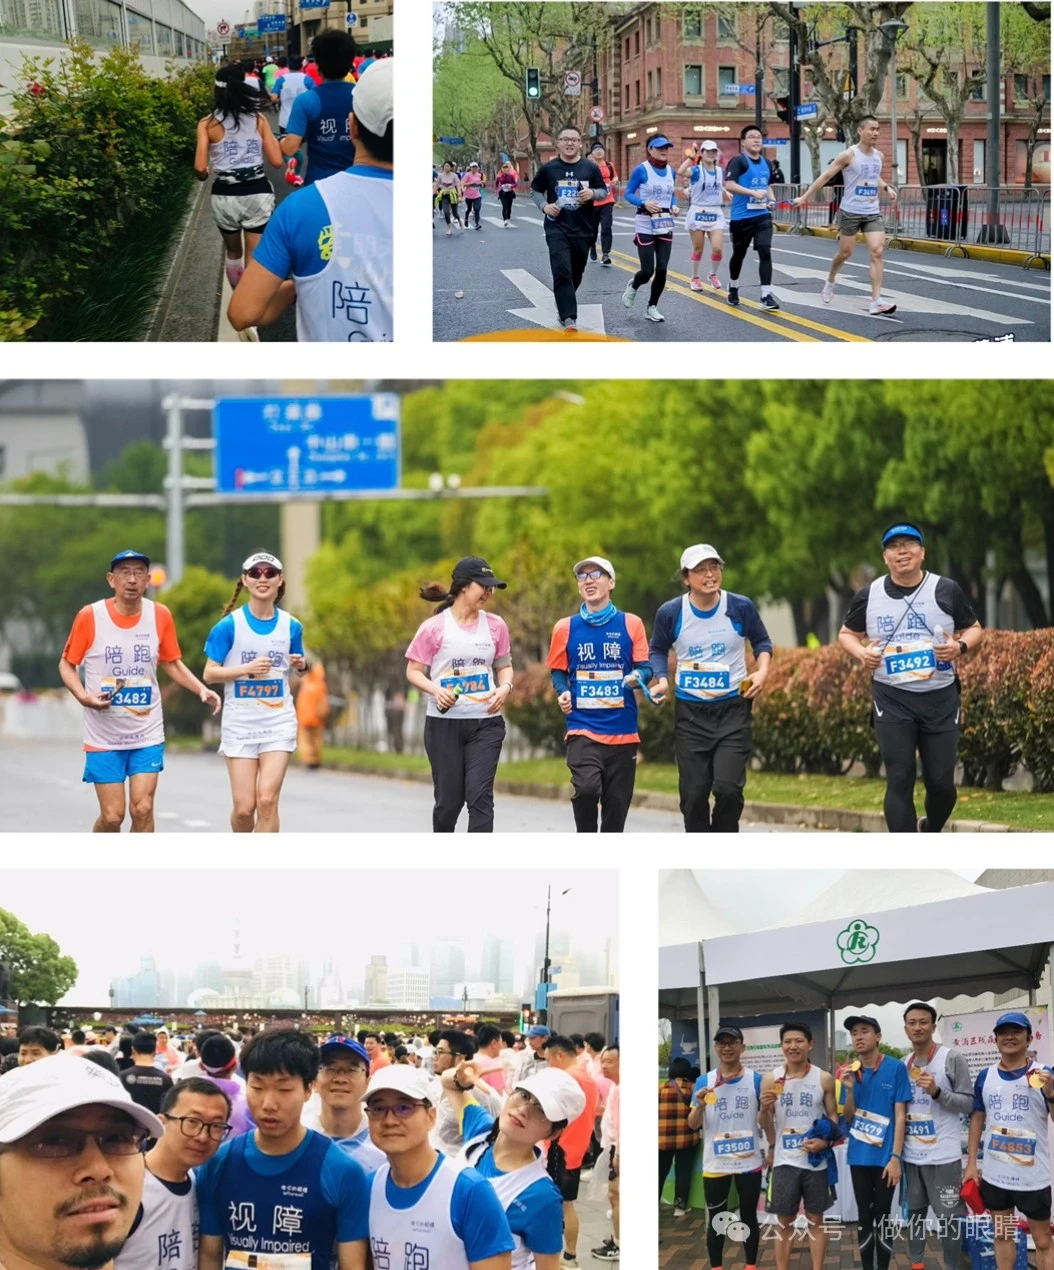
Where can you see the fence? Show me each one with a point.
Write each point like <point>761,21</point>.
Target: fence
<point>956,214</point>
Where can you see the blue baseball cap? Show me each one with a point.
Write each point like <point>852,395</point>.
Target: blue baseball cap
<point>1014,1019</point>
<point>538,1030</point>
<point>346,1045</point>
<point>655,143</point>
<point>903,531</point>
<point>129,555</point>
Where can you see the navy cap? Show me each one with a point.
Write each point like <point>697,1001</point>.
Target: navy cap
<point>340,1044</point>
<point>661,140</point>
<point>129,555</point>
<point>1013,1019</point>
<point>867,1019</point>
<point>538,1030</point>
<point>476,569</point>
<point>903,531</point>
<point>728,1030</point>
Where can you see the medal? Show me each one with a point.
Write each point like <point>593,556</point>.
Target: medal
<point>710,1099</point>
<point>777,1086</point>
<point>1036,1080</point>
<point>915,1073</point>
<point>855,1065</point>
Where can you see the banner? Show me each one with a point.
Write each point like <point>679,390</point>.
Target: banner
<point>763,1053</point>
<point>972,1035</point>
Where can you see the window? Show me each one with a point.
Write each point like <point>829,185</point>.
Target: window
<point>636,92</point>
<point>693,81</point>
<point>726,29</point>
<point>692,25</point>
<point>1022,86</point>
<point>902,87</point>
<point>726,75</point>
<point>650,88</point>
<point>42,20</point>
<point>658,84</point>
<point>978,92</point>
<point>636,41</point>
<point>627,48</point>
<point>165,47</point>
<point>99,22</point>
<point>141,32</point>
<point>647,29</point>
<point>627,96</point>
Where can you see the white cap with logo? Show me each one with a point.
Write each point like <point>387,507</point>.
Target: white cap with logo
<point>606,565</point>
<point>693,556</point>
<point>373,101</point>
<point>262,557</point>
<point>403,1079</point>
<point>31,1095</point>
<point>560,1095</point>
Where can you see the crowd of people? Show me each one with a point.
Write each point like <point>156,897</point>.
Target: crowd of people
<point>327,247</point>
<point>900,1119</point>
<point>459,1148</point>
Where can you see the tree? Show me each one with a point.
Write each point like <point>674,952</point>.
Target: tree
<point>197,602</point>
<point>38,973</point>
<point>1025,47</point>
<point>471,99</point>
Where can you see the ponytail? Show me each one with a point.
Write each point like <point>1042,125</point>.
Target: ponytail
<point>232,603</point>
<point>433,591</point>
<point>556,1163</point>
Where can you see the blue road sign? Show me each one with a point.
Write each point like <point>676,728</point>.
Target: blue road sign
<point>307,445</point>
<point>776,141</point>
<point>806,111</point>
<point>351,19</point>
<point>739,90</point>
<point>314,4</point>
<point>270,22</point>
<point>451,141</point>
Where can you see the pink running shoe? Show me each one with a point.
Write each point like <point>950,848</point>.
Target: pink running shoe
<point>714,281</point>
<point>696,284</point>
<point>234,271</point>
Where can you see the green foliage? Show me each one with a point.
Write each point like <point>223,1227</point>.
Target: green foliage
<point>197,602</point>
<point>39,973</point>
<point>99,149</point>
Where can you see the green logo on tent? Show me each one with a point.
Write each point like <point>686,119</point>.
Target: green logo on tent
<point>858,943</point>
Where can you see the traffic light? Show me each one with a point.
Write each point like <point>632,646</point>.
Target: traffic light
<point>783,109</point>
<point>534,83</point>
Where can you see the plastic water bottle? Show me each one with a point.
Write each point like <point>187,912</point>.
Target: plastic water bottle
<point>939,637</point>
<point>457,690</point>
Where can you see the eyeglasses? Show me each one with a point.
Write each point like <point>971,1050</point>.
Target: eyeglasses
<point>590,575</point>
<point>401,1110</point>
<point>534,1107</point>
<point>262,571</point>
<point>447,1053</point>
<point>191,1127</point>
<point>64,1144</point>
<point>344,1069</point>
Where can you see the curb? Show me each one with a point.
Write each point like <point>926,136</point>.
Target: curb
<point>938,247</point>
<point>197,199</point>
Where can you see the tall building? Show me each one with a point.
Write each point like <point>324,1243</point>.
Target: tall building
<point>496,964</point>
<point>409,988</point>
<point>329,992</point>
<point>447,967</point>
<point>238,973</point>
<point>375,989</point>
<point>273,973</point>
<point>167,988</point>
<point>207,974</point>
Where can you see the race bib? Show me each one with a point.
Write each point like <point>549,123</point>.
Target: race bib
<point>599,690</point>
<point>922,1130</point>
<point>567,194</point>
<point>705,678</point>
<point>662,224</point>
<point>707,217</point>
<point>259,689</point>
<point>869,1127</point>
<point>907,662</point>
<point>792,1140</point>
<point>238,1259</point>
<point>867,191</point>
<point>1018,1145</point>
<point>476,684</point>
<point>734,1144</point>
<point>126,696</point>
<point>758,203</point>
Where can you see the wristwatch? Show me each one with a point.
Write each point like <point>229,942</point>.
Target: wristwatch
<point>963,647</point>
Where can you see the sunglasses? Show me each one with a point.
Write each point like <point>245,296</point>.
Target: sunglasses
<point>262,571</point>
<point>590,575</point>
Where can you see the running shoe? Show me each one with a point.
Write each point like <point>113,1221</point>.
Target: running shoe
<point>679,1210</point>
<point>234,270</point>
<point>653,314</point>
<point>249,335</point>
<point>570,324</point>
<point>769,301</point>
<point>827,294</point>
<point>569,1262</point>
<point>593,252</point>
<point>606,260</point>
<point>696,284</point>
<point>881,306</point>
<point>733,296</point>
<point>449,232</point>
<point>714,281</point>
<point>608,1251</point>
<point>291,177</point>
<point>628,296</point>
<point>920,826</point>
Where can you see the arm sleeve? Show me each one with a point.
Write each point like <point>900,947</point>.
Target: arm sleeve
<point>961,1098</point>
<point>348,1190</point>
<point>557,659</point>
<point>81,636</point>
<point>662,637</point>
<point>978,1090</point>
<point>736,168</point>
<point>167,645</point>
<point>475,1120</point>
<point>220,640</point>
<point>856,616</point>
<point>636,180</point>
<point>561,681</point>
<point>754,629</point>
<point>539,200</point>
<point>296,637</point>
<point>478,1218</point>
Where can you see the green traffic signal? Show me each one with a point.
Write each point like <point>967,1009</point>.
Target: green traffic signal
<point>534,83</point>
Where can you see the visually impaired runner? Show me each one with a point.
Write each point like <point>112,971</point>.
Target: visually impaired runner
<point>749,178</point>
<point>320,118</point>
<point>652,189</point>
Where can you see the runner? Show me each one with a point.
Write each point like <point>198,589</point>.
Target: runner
<point>37,1042</point>
<point>312,711</point>
<point>507,1150</point>
<point>335,1109</point>
<point>461,659</point>
<point>270,73</point>
<point>508,180</point>
<point>334,239</point>
<point>749,178</point>
<point>454,1050</point>
<point>609,1139</point>
<point>1013,1101</point>
<point>941,1092</point>
<point>652,189</point>
<point>563,190</point>
<point>289,85</point>
<point>576,1139</point>
<point>605,206</point>
<point>706,213</point>
<point>860,212</point>
<point>795,1099</point>
<point>596,659</point>
<point>878,1094</point>
<point>322,117</point>
<point>282,1189</point>
<point>909,629</point>
<point>447,192</point>
<point>164,1234</point>
<point>251,651</point>
<point>120,642</point>
<point>448,1216</point>
<point>473,186</point>
<point>219,1065</point>
<point>708,629</point>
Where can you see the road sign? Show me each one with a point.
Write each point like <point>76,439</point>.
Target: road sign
<point>314,4</point>
<point>739,90</point>
<point>807,111</point>
<point>351,19</point>
<point>223,29</point>
<point>572,83</point>
<point>775,141</point>
<point>451,141</point>
<point>307,445</point>
<point>270,22</point>
<point>596,114</point>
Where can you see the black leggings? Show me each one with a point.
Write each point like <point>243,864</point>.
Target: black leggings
<point>654,256</point>
<point>449,206</point>
<point>939,752</point>
<point>716,1190</point>
<point>874,1199</point>
<point>507,198</point>
<point>681,1159</point>
<point>472,206</point>
<point>756,230</point>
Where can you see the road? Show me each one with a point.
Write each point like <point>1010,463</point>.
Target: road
<point>505,277</point>
<point>43,791</point>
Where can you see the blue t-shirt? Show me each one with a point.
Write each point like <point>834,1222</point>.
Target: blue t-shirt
<point>344,1183</point>
<point>475,1211</point>
<point>537,1213</point>
<point>298,239</point>
<point>978,1089</point>
<point>221,637</point>
<point>320,116</point>
<point>877,1093</point>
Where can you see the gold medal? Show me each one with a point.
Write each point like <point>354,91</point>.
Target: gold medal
<point>710,1099</point>
<point>915,1073</point>
<point>1036,1080</point>
<point>855,1065</point>
<point>777,1086</point>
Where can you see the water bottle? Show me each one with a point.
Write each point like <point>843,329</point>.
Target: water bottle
<point>457,690</point>
<point>939,637</point>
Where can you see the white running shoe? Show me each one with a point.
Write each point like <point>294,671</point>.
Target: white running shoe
<point>827,294</point>
<point>628,296</point>
<point>249,335</point>
<point>881,306</point>
<point>653,314</point>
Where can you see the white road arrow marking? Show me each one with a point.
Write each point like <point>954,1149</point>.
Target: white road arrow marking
<point>590,316</point>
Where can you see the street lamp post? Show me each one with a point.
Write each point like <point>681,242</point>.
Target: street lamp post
<point>546,964</point>
<point>893,29</point>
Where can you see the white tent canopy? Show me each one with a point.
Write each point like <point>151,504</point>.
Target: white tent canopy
<point>686,917</point>
<point>875,890</point>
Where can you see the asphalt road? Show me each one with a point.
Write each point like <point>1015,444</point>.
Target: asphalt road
<point>506,280</point>
<point>43,791</point>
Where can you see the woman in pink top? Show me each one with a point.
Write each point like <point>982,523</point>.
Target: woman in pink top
<point>506,187</point>
<point>461,659</point>
<point>473,188</point>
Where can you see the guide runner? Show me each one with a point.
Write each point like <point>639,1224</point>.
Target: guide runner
<point>652,189</point>
<point>706,213</point>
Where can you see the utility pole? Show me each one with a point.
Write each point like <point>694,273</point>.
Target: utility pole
<point>759,75</point>
<point>793,101</point>
<point>991,148</point>
<point>176,546</point>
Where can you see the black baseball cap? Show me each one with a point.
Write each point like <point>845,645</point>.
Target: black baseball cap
<point>854,1019</point>
<point>476,569</point>
<point>728,1030</point>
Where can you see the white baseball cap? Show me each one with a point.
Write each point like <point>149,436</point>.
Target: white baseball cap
<point>372,102</point>
<point>692,556</point>
<point>709,145</point>
<point>560,1095</point>
<point>606,565</point>
<point>411,1081</point>
<point>262,557</point>
<point>31,1095</point>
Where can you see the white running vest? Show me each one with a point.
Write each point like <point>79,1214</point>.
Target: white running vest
<point>863,176</point>
<point>932,1134</point>
<point>796,1108</point>
<point>293,84</point>
<point>427,1228</point>
<point>731,1136</point>
<point>706,200</point>
<point>465,661</point>
<point>125,664</point>
<point>241,146</point>
<point>351,299</point>
<point>711,655</point>
<point>259,710</point>
<point>904,635</point>
<point>658,187</point>
<point>1016,1145</point>
<point>509,1187</point>
<point>167,1235</point>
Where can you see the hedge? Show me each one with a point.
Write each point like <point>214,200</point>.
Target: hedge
<point>94,150</point>
<point>815,714</point>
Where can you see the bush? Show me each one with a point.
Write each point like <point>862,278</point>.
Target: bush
<point>197,602</point>
<point>532,708</point>
<point>92,151</point>
<point>995,686</point>
<point>1035,729</point>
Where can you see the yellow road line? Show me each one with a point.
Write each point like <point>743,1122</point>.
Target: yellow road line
<point>725,307</point>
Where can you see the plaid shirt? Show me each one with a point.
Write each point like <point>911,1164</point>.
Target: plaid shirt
<point>675,1102</point>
